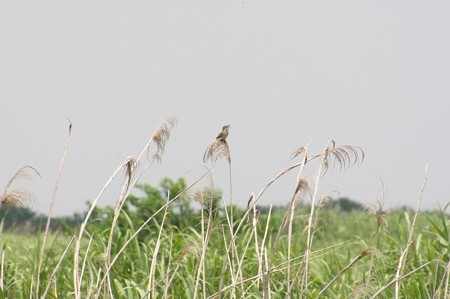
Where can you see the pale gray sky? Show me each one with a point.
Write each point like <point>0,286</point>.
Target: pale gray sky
<point>283,73</point>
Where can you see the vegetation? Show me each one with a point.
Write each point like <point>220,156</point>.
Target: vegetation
<point>155,244</point>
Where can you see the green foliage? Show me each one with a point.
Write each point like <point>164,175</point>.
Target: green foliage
<point>23,219</point>
<point>210,201</point>
<point>20,216</point>
<point>182,251</point>
<point>340,236</point>
<point>138,208</point>
<point>345,204</point>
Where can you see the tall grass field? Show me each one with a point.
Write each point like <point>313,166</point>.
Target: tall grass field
<point>161,248</point>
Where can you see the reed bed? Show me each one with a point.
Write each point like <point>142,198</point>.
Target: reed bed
<point>303,250</point>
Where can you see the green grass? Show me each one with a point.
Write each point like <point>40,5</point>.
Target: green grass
<point>339,238</point>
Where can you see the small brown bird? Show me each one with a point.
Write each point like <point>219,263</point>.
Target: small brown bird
<point>224,134</point>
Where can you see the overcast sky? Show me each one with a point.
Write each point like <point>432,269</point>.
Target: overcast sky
<point>284,74</point>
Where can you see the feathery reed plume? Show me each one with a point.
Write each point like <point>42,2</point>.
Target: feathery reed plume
<point>208,198</point>
<point>129,166</point>
<point>200,198</point>
<point>219,148</point>
<point>161,136</point>
<point>380,216</point>
<point>345,156</point>
<point>302,188</point>
<point>376,208</point>
<point>17,197</point>
<point>379,208</point>
<point>342,155</point>
<point>301,151</point>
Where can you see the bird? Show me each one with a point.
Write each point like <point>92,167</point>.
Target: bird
<point>224,134</point>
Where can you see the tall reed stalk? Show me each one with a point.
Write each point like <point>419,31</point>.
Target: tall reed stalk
<point>402,259</point>
<point>50,212</point>
<point>159,138</point>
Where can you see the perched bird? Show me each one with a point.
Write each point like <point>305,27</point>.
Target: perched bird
<point>224,134</point>
<point>219,148</point>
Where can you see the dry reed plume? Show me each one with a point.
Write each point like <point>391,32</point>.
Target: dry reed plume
<point>161,136</point>
<point>219,148</point>
<point>17,197</point>
<point>344,156</point>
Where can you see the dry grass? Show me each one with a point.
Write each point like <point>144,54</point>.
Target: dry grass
<point>161,136</point>
<point>219,148</point>
<point>18,197</point>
